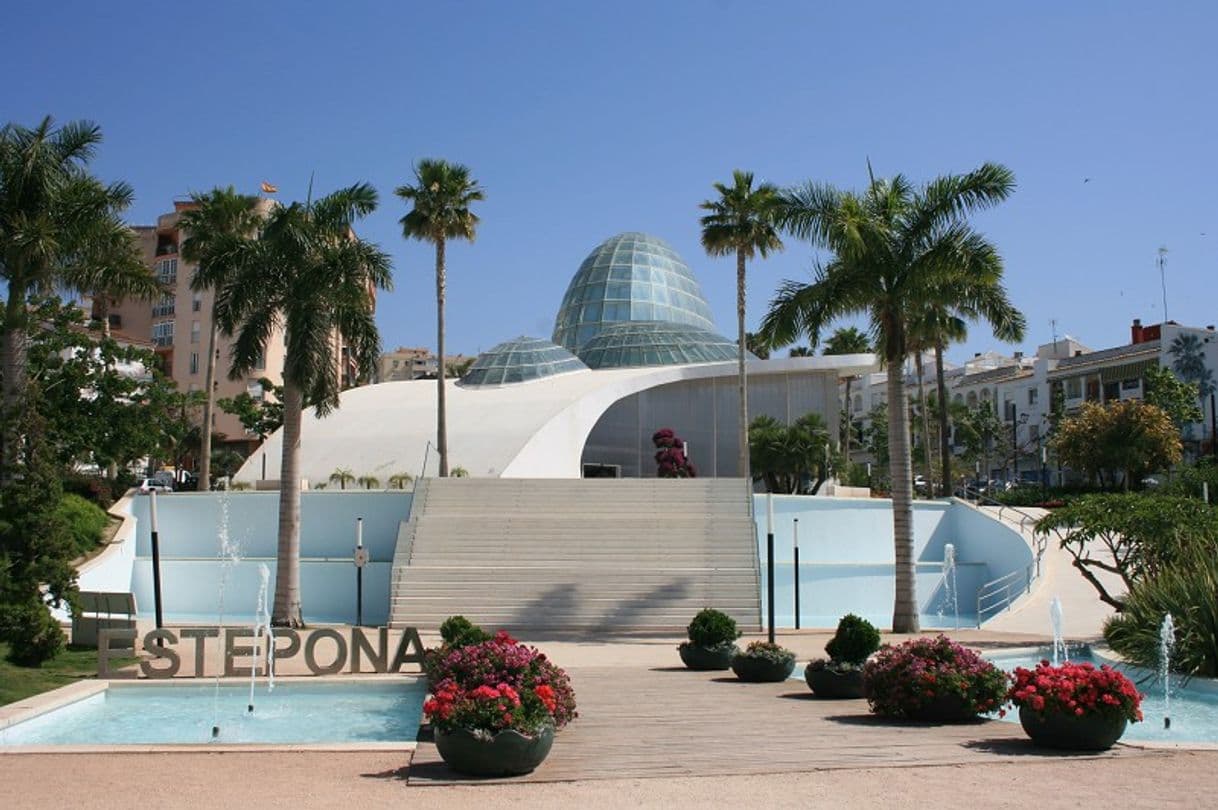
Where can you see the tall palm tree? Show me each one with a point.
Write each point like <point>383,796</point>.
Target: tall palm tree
<point>846,341</point>
<point>306,271</point>
<point>892,247</point>
<point>441,199</point>
<point>215,219</point>
<point>109,266</point>
<point>49,204</point>
<point>740,221</point>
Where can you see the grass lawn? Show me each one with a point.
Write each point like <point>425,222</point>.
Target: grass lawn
<point>71,665</point>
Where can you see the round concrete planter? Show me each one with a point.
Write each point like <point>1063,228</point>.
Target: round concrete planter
<point>707,658</point>
<point>944,709</point>
<point>833,685</point>
<point>1091,732</point>
<point>761,670</point>
<point>508,753</point>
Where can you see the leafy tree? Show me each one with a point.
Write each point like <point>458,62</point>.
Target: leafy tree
<point>49,208</point>
<point>342,476</point>
<point>1129,438</point>
<point>226,461</point>
<point>1178,399</point>
<point>441,198</point>
<point>261,417</point>
<point>983,435</point>
<point>894,249</point>
<point>875,435</point>
<point>740,222</point>
<point>847,341</point>
<point>306,271</point>
<point>785,456</point>
<point>36,544</point>
<point>1134,537</point>
<point>212,224</point>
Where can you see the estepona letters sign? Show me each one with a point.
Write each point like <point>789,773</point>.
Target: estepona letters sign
<point>326,650</point>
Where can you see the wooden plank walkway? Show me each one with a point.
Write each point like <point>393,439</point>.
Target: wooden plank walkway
<point>639,722</point>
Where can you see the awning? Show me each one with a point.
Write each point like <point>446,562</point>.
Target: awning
<point>1128,371</point>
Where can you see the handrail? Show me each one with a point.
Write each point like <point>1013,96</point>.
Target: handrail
<point>1039,541</point>
<point>423,469</point>
<point>1009,586</point>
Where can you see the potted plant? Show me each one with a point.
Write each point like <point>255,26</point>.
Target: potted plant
<point>495,705</point>
<point>842,675</point>
<point>932,679</point>
<point>712,641</point>
<point>1075,706</point>
<point>763,662</point>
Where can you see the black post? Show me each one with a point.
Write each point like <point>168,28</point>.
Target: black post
<point>769,560</point>
<point>156,563</point>
<point>361,557</point>
<point>796,540</point>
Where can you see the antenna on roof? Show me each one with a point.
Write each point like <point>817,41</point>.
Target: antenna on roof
<point>1163,277</point>
<point>1053,329</point>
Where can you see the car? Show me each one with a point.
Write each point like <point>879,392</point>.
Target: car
<point>919,484</point>
<point>153,485</point>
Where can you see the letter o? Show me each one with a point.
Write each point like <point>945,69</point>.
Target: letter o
<point>340,657</point>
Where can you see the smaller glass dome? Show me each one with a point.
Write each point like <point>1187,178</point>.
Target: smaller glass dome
<point>520,360</point>
<point>655,343</point>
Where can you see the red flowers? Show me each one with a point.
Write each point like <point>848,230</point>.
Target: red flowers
<point>1078,689</point>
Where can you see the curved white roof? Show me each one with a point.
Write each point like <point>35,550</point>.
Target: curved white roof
<point>532,429</point>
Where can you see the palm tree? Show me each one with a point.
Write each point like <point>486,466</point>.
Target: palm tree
<point>441,199</point>
<point>400,480</point>
<point>214,220</point>
<point>306,271</point>
<point>741,222</point>
<point>49,205</point>
<point>460,472</point>
<point>846,341</point>
<point>801,351</point>
<point>369,481</point>
<point>893,248</point>
<point>342,476</point>
<point>109,266</point>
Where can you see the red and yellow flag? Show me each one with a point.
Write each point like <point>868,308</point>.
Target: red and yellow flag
<point>267,188</point>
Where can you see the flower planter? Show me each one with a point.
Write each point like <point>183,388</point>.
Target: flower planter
<point>761,670</point>
<point>508,753</point>
<point>944,709</point>
<point>1096,731</point>
<point>827,683</point>
<point>708,658</point>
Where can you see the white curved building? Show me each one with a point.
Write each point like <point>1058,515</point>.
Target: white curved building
<point>633,351</point>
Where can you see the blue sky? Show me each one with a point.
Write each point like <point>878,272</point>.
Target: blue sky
<point>585,119</point>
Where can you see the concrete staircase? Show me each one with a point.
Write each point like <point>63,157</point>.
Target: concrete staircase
<point>581,556</point>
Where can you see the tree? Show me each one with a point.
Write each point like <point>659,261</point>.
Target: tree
<point>441,200</point>
<point>893,249</point>
<point>801,351</point>
<point>262,416</point>
<point>983,435</point>
<point>740,221</point>
<point>785,457</point>
<point>846,341</point>
<point>400,480</point>
<point>304,270</point>
<point>342,476</point>
<point>1128,437</point>
<point>108,265</point>
<point>369,481</point>
<point>460,472</point>
<point>49,206</point>
<point>1178,399</point>
<point>1189,362</point>
<point>457,368</point>
<point>214,221</point>
<point>754,345</point>
<point>226,462</point>
<point>671,461</point>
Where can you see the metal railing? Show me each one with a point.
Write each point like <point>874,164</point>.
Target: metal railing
<point>997,595</point>
<point>1038,541</point>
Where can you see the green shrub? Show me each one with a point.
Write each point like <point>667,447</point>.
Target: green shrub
<point>765,651</point>
<point>32,633</point>
<point>1188,590</point>
<point>86,522</point>
<point>458,631</point>
<point>856,639</point>
<point>1187,481</point>
<point>712,628</point>
<point>90,487</point>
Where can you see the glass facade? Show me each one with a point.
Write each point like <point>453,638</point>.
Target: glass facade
<point>648,343</point>
<point>520,360</point>
<point>629,277</point>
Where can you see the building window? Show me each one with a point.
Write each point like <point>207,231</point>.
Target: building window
<point>163,307</point>
<point>1112,390</point>
<point>1131,385</point>
<point>194,331</point>
<point>194,362</point>
<point>162,333</point>
<point>167,271</point>
<point>196,302</point>
<point>254,389</point>
<point>1074,388</point>
<point>260,363</point>
<point>1033,395</point>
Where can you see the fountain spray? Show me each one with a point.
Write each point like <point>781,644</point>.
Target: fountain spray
<point>262,630</point>
<point>1059,641</point>
<point>1167,644</point>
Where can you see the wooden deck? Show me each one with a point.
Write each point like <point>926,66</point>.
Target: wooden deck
<point>639,722</point>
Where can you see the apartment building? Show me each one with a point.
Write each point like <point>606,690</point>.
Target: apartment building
<point>415,363</point>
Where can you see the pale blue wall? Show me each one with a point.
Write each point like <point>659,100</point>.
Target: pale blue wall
<point>847,558</point>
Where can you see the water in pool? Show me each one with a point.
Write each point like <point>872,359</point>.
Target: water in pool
<point>329,712</point>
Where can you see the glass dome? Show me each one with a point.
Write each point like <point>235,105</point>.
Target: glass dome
<point>520,360</point>
<point>650,343</point>
<point>629,277</point>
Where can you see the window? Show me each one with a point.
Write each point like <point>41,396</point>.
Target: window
<point>162,333</point>
<point>254,389</point>
<point>194,331</point>
<point>163,307</point>
<point>1131,385</point>
<point>167,271</point>
<point>1112,390</point>
<point>260,363</point>
<point>196,302</point>
<point>1033,395</point>
<point>194,362</point>
<point>1074,388</point>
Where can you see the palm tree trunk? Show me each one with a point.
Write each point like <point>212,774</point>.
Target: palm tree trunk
<point>945,450</point>
<point>12,361</point>
<point>287,612</point>
<point>742,463</point>
<point>905,605</point>
<point>846,440</point>
<point>926,457</point>
<point>103,312</point>
<point>208,405</point>
<point>441,403</point>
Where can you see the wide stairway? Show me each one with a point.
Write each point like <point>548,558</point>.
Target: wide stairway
<point>579,556</point>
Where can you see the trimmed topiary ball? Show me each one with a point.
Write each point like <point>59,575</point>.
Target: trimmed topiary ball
<point>856,639</point>
<point>712,628</point>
